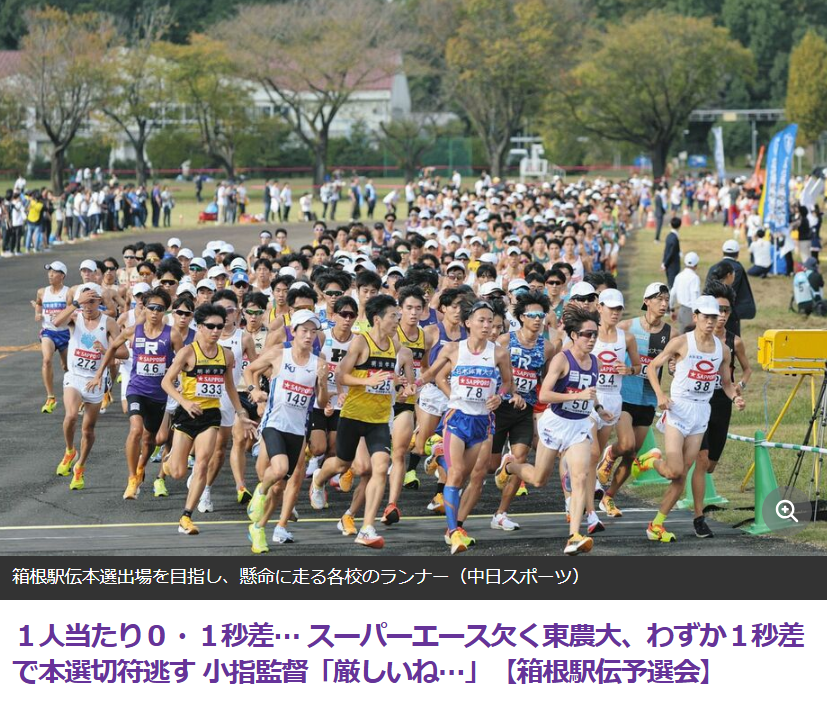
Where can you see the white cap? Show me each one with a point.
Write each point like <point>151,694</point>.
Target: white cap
<point>489,288</point>
<point>731,247</point>
<point>185,252</point>
<point>512,239</point>
<point>431,243</point>
<point>611,298</point>
<point>227,249</point>
<point>89,264</point>
<point>462,251</point>
<point>207,252</point>
<point>288,271</point>
<point>185,288</point>
<point>173,242</point>
<point>455,265</point>
<point>304,316</point>
<point>513,250</point>
<point>265,234</point>
<point>57,267</point>
<point>207,284</point>
<point>395,270</point>
<point>488,257</point>
<point>582,289</point>
<point>198,262</point>
<point>477,240</point>
<point>454,238</point>
<point>238,263</point>
<point>140,288</point>
<point>691,259</point>
<point>707,305</point>
<point>482,227</point>
<point>367,264</point>
<point>301,284</point>
<point>214,245</point>
<point>654,289</point>
<point>515,284</point>
<point>217,271</point>
<point>92,286</point>
<point>593,218</point>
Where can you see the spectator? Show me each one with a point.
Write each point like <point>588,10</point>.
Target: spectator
<point>660,210</point>
<point>686,289</point>
<point>801,223</point>
<point>306,204</point>
<point>286,202</point>
<point>744,301</point>
<point>808,286</point>
<point>761,251</point>
<point>671,263</point>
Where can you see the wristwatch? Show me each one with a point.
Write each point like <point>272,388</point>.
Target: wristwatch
<point>250,388</point>
<point>75,303</point>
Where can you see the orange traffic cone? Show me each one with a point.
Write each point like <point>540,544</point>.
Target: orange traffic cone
<point>686,220</point>
<point>650,219</point>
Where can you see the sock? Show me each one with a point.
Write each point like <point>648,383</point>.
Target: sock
<point>440,488</point>
<point>413,461</point>
<point>442,463</point>
<point>187,513</point>
<point>451,506</point>
<point>659,519</point>
<point>459,524</point>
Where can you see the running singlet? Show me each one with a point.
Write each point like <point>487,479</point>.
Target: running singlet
<point>636,388</point>
<point>575,381</point>
<point>150,359</point>
<point>335,352</point>
<point>473,380</point>
<point>292,392</point>
<point>609,356</point>
<point>372,404</point>
<point>235,345</point>
<point>53,304</point>
<point>527,367</point>
<point>443,338</point>
<point>84,359</point>
<point>259,337</point>
<point>417,348</point>
<point>719,395</point>
<point>204,383</point>
<point>697,373</point>
<point>431,320</point>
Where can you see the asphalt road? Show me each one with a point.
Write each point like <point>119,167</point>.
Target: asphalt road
<point>39,515</point>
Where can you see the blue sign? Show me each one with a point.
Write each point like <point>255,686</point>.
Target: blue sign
<point>642,162</point>
<point>777,187</point>
<point>696,161</point>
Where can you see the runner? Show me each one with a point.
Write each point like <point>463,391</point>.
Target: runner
<point>368,371</point>
<point>297,376</point>
<point>699,357</point>
<point>49,302</point>
<point>91,334</point>
<point>206,370</point>
<point>566,426</point>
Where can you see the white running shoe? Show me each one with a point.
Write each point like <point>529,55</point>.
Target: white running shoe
<point>501,521</point>
<point>205,503</point>
<point>282,535</point>
<point>318,495</point>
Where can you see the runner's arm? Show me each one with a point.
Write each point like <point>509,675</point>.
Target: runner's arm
<point>743,360</point>
<point>180,363</point>
<point>322,393</point>
<point>675,348</point>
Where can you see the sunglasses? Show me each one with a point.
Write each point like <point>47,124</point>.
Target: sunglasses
<point>157,308</point>
<point>587,334</point>
<point>404,252</point>
<point>196,268</point>
<point>129,257</point>
<point>146,273</point>
<point>347,315</point>
<point>182,312</point>
<point>456,275</point>
<point>243,285</point>
<point>230,309</point>
<point>333,292</point>
<point>254,311</point>
<point>554,282</point>
<point>725,309</point>
<point>361,241</point>
<point>168,282</point>
<point>535,314</point>
<point>111,269</point>
<point>213,326</point>
<point>591,298</point>
<point>481,305</point>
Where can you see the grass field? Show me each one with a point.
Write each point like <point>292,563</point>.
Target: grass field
<point>766,393</point>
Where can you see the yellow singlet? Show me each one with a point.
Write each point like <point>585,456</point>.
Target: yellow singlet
<point>204,383</point>
<point>417,348</point>
<point>372,404</point>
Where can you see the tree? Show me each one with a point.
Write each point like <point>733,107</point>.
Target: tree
<point>204,78</point>
<point>503,60</point>
<point>64,75</point>
<point>407,141</point>
<point>806,98</point>
<point>139,91</point>
<point>638,83</point>
<point>14,150</point>
<point>311,56</point>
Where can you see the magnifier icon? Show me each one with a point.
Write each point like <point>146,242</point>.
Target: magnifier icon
<point>785,509</point>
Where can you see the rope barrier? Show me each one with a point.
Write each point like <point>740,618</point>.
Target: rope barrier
<point>771,444</point>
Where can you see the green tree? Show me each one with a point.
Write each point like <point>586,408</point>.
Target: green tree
<point>638,83</point>
<point>408,140</point>
<point>806,97</point>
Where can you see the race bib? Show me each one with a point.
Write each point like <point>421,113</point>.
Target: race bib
<point>296,395</point>
<point>385,388</point>
<point>644,364</point>
<point>331,378</point>
<point>151,365</point>
<point>475,388</point>
<point>525,381</point>
<point>87,360</point>
<point>209,386</point>
<point>577,406</point>
<point>245,361</point>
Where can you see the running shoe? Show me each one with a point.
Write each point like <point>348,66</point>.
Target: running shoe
<point>294,515</point>
<point>157,454</point>
<point>437,504</point>
<point>657,532</point>
<point>243,496</point>
<point>49,406</point>
<point>598,491</point>
<point>431,465</point>
<point>282,535</point>
<point>607,504</point>
<point>185,526</point>
<point>160,488</point>
<point>131,491</point>
<point>255,509</point>
<point>469,540</point>
<point>503,522</point>
<point>412,444</point>
<point>501,478</point>
<point>596,527</point>
<point>258,539</point>
<point>205,503</point>
<point>107,400</point>
<point>65,465</point>
<point>140,474</point>
<point>646,462</point>
<point>702,530</point>
<point>457,542</point>
<point>346,481</point>
<point>347,526</point>
<point>318,495</point>
<point>190,462</point>
<point>523,490</point>
<point>578,544</point>
<point>77,482</point>
<point>410,481</point>
<point>391,515</point>
<point>605,466</point>
<point>431,442</point>
<point>368,537</point>
<point>333,481</point>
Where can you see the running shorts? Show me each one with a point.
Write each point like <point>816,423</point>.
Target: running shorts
<point>350,431</point>
<point>515,426</point>
<point>59,337</point>
<point>280,443</point>
<point>557,433</point>
<point>192,427</point>
<point>150,410</point>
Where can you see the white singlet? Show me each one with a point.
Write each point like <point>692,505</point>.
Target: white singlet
<point>335,352</point>
<point>473,379</point>
<point>695,374</point>
<point>53,304</point>
<point>291,393</point>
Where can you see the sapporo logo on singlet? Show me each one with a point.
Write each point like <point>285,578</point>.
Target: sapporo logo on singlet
<point>703,371</point>
<point>607,360</point>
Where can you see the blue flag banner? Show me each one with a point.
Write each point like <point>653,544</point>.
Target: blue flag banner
<point>777,185</point>
<point>718,132</point>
